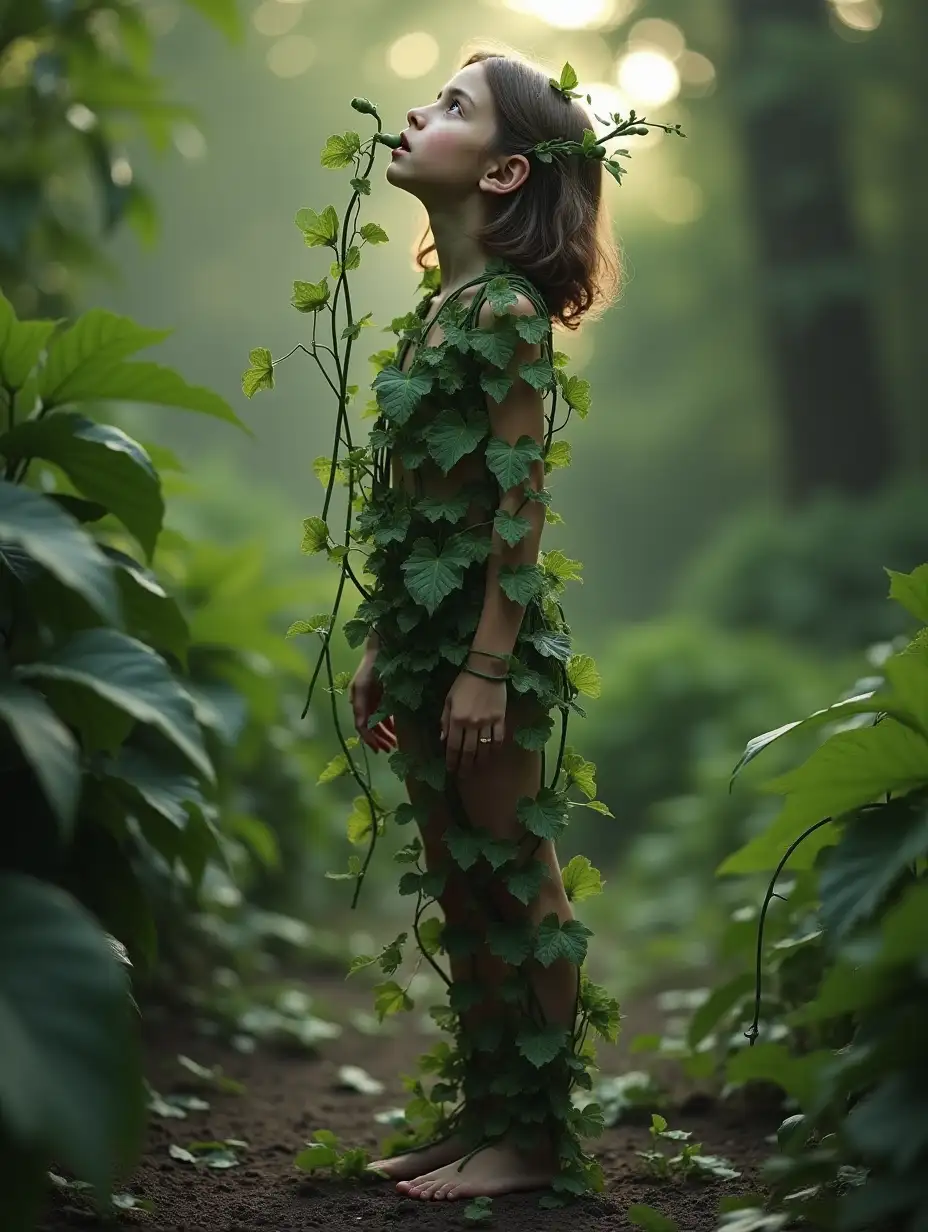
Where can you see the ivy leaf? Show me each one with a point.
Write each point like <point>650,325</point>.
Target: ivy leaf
<point>525,882</point>
<point>450,436</point>
<point>532,329</point>
<point>497,346</point>
<point>310,296</point>
<point>352,261</point>
<point>651,1220</point>
<point>545,815</point>
<point>261,373</point>
<point>496,386</point>
<point>556,940</point>
<point>339,150</point>
<point>318,229</point>
<point>315,535</point>
<point>372,233</point>
<point>361,185</point>
<point>510,527</point>
<point>360,821</point>
<point>584,675</point>
<point>539,374</point>
<point>430,934</point>
<point>588,1121</point>
<point>390,998</point>
<point>558,456</point>
<point>399,393</point>
<point>512,464</point>
<point>513,943</point>
<point>551,645</point>
<point>536,737</point>
<point>561,569</point>
<point>431,576</point>
<point>392,528</point>
<point>580,772</point>
<point>498,852</point>
<point>581,879</point>
<point>577,393</point>
<point>521,583</point>
<point>500,295</point>
<point>465,845</point>
<point>539,1045</point>
<point>439,508</point>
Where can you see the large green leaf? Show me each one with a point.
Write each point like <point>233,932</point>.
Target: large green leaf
<point>56,541</point>
<point>102,462</point>
<point>131,676</point>
<point>875,850</point>
<point>223,14</point>
<point>70,1082</point>
<point>544,815</point>
<point>911,590</point>
<point>850,769</point>
<point>21,343</point>
<point>47,746</point>
<point>512,464</point>
<point>144,777</point>
<point>431,576</point>
<point>97,340</point>
<point>451,436</point>
<point>908,674</point>
<point>152,615</point>
<point>398,393</point>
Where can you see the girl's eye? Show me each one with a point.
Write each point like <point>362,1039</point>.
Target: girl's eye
<point>455,102</point>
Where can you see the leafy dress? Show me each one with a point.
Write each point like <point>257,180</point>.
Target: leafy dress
<point>437,475</point>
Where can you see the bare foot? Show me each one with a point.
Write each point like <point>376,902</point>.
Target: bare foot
<point>497,1169</point>
<point>415,1163</point>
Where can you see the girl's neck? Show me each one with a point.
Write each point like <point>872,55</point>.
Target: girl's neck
<point>460,257</point>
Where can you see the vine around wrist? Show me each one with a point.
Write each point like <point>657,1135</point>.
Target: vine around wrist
<point>490,654</point>
<point>485,675</point>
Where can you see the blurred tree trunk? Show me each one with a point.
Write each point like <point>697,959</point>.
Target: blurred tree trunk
<point>834,424</point>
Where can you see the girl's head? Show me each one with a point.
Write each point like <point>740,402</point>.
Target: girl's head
<point>474,143</point>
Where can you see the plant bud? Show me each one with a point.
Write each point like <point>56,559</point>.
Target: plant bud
<point>640,131</point>
<point>364,105</point>
<point>390,139</point>
<point>598,151</point>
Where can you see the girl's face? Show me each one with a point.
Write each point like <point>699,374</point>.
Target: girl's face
<point>447,143</point>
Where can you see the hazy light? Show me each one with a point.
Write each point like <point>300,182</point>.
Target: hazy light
<point>682,202</point>
<point>606,99</point>
<point>413,55</point>
<point>291,55</point>
<point>697,71</point>
<point>162,18</point>
<point>572,14</point>
<point>274,19</point>
<point>189,141</point>
<point>654,33</point>
<point>121,172</point>
<point>859,14</point>
<point>81,118</point>
<point>648,78</point>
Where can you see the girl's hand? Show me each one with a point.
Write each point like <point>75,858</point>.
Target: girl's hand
<point>474,707</point>
<point>365,694</point>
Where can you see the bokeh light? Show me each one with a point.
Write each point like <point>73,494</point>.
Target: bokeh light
<point>291,55</point>
<point>189,141</point>
<point>653,33</point>
<point>121,171</point>
<point>413,55</point>
<point>273,18</point>
<point>606,100</point>
<point>572,14</point>
<point>864,15</point>
<point>681,201</point>
<point>697,72</point>
<point>649,78</point>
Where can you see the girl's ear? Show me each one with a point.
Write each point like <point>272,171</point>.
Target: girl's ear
<point>505,175</point>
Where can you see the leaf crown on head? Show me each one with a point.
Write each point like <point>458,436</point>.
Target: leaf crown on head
<point>593,146</point>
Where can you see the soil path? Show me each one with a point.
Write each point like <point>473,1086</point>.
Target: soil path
<point>289,1096</point>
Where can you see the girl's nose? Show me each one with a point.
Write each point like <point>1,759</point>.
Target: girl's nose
<point>414,117</point>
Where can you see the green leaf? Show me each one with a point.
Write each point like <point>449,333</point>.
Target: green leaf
<point>310,296</point>
<point>318,624</point>
<point>911,590</point>
<point>465,845</point>
<point>850,769</point>
<point>130,676</point>
<point>500,295</point>
<point>532,329</point>
<point>340,150</point>
<point>535,737</point>
<point>545,815</point>
<point>650,1220</point>
<point>562,569</point>
<point>57,541</point>
<point>558,456</point>
<point>102,462</point>
<point>223,14</point>
<point>96,341</point>
<point>151,614</point>
<point>429,576</point>
<point>512,464</point>
<point>71,1073</point>
<point>143,777</point>
<point>399,393</point>
<point>584,674</point>
<point>569,79</point>
<point>47,745</point>
<point>512,943</point>
<point>495,344</point>
<point>496,386</point>
<point>430,934</point>
<point>525,882</point>
<point>539,1045</point>
<point>360,821</point>
<point>874,851</point>
<point>390,998</point>
<point>318,230</point>
<point>480,1210</point>
<point>581,879</point>
<point>521,583</point>
<point>261,373</point>
<point>556,940</point>
<point>315,1155</point>
<point>21,343</point>
<point>713,1009</point>
<point>451,436</point>
<point>374,234</point>
<point>551,645</point>
<point>538,373</point>
<point>588,1121</point>
<point>438,508</point>
<point>315,536</point>
<point>361,185</point>
<point>580,773</point>
<point>577,393</point>
<point>799,1076</point>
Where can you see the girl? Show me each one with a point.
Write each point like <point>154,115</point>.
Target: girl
<point>468,649</point>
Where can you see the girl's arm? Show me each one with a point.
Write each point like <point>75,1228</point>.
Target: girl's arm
<point>521,413</point>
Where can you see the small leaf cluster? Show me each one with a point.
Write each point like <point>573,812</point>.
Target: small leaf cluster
<point>689,1161</point>
<point>324,1151</point>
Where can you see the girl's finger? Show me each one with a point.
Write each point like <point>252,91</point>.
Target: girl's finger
<point>454,738</point>
<point>499,732</point>
<point>468,750</point>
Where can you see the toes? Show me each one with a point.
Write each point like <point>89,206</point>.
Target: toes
<point>446,1191</point>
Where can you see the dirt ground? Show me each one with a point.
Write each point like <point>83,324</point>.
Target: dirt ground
<point>289,1096</point>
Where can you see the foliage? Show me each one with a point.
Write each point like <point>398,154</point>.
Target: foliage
<point>408,555</point>
<point>75,85</point>
<point>854,826</point>
<point>688,1162</point>
<point>810,575</point>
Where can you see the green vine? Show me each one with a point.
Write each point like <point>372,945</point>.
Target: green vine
<point>416,561</point>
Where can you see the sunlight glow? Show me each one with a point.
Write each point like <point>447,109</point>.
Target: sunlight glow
<point>606,99</point>
<point>273,19</point>
<point>863,15</point>
<point>697,72</point>
<point>413,55</point>
<point>574,14</point>
<point>682,202</point>
<point>648,78</point>
<point>654,34</point>
<point>189,141</point>
<point>291,55</point>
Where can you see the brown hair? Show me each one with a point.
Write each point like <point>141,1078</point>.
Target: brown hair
<point>555,229</point>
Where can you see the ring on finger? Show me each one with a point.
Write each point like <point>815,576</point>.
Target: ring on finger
<point>485,739</point>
